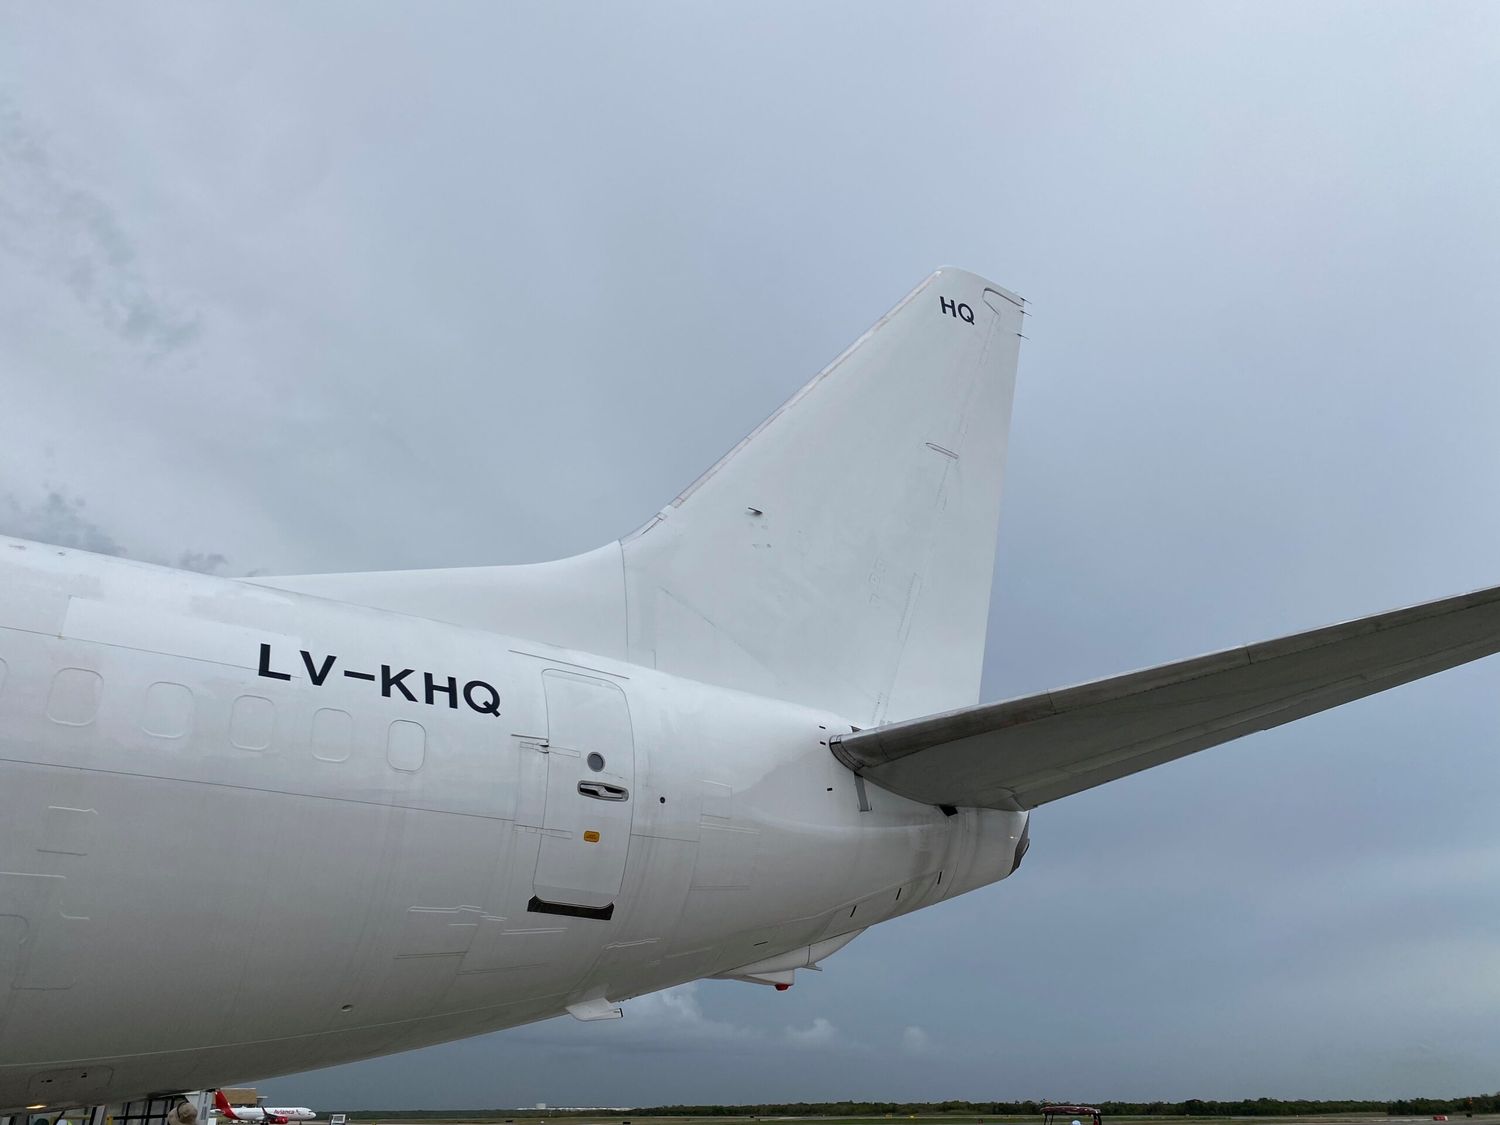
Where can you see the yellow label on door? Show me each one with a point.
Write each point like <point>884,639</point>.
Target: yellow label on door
<point>591,837</point>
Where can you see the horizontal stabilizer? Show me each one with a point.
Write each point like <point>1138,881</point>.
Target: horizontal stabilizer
<point>1025,752</point>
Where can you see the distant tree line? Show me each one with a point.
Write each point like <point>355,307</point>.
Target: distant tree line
<point>1192,1107</point>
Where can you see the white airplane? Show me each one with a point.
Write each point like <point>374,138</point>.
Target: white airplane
<point>721,746</point>
<point>259,1114</point>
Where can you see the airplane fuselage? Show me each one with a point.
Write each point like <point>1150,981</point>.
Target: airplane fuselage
<point>339,832</point>
<point>253,827</point>
<point>250,1114</point>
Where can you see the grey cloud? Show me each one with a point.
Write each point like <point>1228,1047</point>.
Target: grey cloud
<point>60,519</point>
<point>69,234</point>
<point>672,1020</point>
<point>509,307</point>
<point>204,562</point>
<point>916,1041</point>
<point>675,1021</point>
<point>818,1034</point>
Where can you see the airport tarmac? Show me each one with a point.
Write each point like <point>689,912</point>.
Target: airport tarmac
<point>529,1117</point>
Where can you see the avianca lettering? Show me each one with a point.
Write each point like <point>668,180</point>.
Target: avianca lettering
<point>434,691</point>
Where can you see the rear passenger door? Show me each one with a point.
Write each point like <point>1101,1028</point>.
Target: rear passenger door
<point>590,782</point>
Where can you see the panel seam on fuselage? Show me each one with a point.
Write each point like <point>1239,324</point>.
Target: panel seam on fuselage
<point>250,788</point>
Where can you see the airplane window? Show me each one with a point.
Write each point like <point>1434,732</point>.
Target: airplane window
<point>169,710</point>
<point>596,762</point>
<point>75,697</point>
<point>252,720</point>
<point>406,746</point>
<point>332,734</point>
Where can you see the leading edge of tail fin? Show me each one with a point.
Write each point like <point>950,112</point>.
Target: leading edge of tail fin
<point>842,554</point>
<point>839,556</point>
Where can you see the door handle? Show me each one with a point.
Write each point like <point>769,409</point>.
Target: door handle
<point>601,791</point>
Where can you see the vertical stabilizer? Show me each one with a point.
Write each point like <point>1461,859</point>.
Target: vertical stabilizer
<point>842,554</point>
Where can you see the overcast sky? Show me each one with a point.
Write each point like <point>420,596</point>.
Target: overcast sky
<point>290,287</point>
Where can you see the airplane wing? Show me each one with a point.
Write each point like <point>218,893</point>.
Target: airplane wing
<point>1022,753</point>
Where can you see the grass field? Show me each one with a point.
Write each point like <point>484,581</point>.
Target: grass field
<point>586,1117</point>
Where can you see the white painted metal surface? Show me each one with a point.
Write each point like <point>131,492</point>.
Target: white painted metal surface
<point>1025,752</point>
<point>141,867</point>
<point>840,556</point>
<point>356,809</point>
<point>590,776</point>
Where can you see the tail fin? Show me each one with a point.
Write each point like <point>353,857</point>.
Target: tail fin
<point>224,1107</point>
<point>842,554</point>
